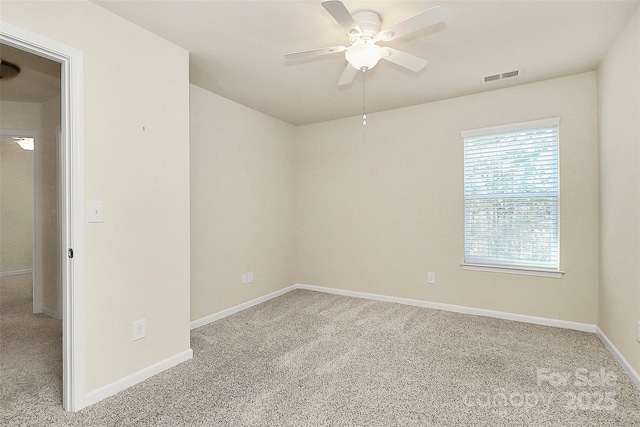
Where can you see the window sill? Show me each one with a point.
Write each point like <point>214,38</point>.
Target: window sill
<point>526,271</point>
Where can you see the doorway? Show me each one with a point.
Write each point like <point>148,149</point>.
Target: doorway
<point>19,196</point>
<point>71,204</point>
<point>30,97</point>
<point>29,194</point>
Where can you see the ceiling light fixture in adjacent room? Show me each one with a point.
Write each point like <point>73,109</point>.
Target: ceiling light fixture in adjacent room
<point>8,70</point>
<point>25,143</point>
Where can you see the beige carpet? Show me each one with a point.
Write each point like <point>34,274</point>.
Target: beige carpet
<point>30,352</point>
<point>313,359</point>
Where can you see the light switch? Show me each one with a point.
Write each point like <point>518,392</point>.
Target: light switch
<point>96,211</point>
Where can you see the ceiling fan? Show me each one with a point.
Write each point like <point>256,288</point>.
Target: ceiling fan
<point>364,30</point>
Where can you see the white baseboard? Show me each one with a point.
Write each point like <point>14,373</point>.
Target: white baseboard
<point>566,324</point>
<point>233,310</point>
<point>15,272</point>
<point>584,327</point>
<point>624,363</point>
<point>137,377</point>
<point>49,312</point>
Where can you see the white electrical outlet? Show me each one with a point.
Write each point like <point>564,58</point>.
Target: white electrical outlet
<point>250,277</point>
<point>245,280</point>
<point>638,332</point>
<point>138,329</point>
<point>431,277</point>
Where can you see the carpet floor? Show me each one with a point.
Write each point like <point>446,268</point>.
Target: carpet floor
<point>314,359</point>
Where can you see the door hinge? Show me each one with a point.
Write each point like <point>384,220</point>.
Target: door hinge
<point>70,252</point>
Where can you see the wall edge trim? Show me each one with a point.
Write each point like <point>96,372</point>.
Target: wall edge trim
<point>49,312</point>
<point>622,361</point>
<point>15,272</point>
<point>233,310</point>
<point>137,377</point>
<point>544,321</point>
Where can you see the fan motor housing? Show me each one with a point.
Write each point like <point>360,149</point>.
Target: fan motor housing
<point>370,24</point>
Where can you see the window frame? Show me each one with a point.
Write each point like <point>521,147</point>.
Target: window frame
<point>523,269</point>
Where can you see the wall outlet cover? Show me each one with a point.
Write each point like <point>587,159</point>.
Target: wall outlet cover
<point>139,329</point>
<point>96,211</point>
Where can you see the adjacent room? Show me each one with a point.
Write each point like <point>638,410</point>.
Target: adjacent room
<point>323,213</point>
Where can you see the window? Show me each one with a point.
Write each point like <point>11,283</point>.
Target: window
<point>511,198</point>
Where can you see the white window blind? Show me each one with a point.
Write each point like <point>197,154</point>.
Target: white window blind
<point>511,195</point>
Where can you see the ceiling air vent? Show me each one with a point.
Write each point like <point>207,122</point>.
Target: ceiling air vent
<point>508,74</point>
<point>505,75</point>
<point>492,78</point>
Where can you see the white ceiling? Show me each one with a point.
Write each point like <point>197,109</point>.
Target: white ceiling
<point>236,49</point>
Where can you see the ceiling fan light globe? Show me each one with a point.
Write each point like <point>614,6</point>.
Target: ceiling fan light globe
<point>364,56</point>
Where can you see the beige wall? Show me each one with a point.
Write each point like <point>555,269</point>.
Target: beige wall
<point>16,208</point>
<point>380,206</point>
<point>619,120</point>
<point>16,203</point>
<point>137,261</point>
<point>241,203</point>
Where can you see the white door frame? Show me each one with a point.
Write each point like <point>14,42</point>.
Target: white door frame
<point>60,204</point>
<point>72,195</point>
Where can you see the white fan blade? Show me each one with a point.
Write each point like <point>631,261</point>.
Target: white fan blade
<point>315,52</point>
<point>341,15</point>
<point>348,75</point>
<point>423,20</point>
<point>403,59</point>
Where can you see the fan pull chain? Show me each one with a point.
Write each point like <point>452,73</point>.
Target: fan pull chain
<point>364,105</point>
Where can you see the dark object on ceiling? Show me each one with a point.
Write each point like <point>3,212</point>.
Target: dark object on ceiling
<point>8,70</point>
